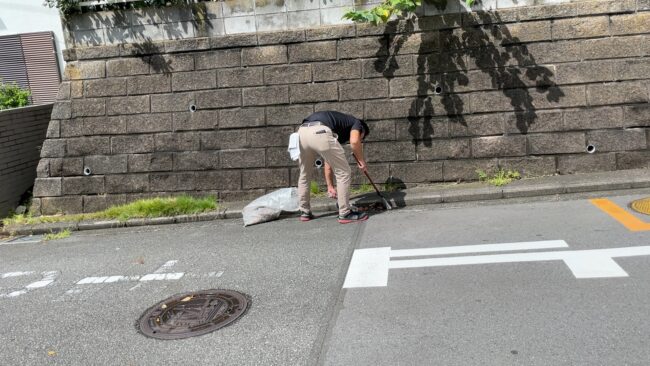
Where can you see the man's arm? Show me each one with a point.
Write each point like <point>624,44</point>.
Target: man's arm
<point>357,149</point>
<point>331,190</point>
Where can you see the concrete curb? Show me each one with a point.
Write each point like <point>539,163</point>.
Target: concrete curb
<point>545,186</point>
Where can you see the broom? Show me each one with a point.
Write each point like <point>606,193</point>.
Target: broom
<point>384,201</point>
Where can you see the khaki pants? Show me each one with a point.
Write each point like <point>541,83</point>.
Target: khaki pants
<point>324,144</point>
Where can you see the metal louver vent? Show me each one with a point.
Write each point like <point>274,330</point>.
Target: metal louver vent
<point>42,68</point>
<point>30,60</point>
<point>12,61</point>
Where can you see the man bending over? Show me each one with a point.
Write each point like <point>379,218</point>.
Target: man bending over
<point>322,133</point>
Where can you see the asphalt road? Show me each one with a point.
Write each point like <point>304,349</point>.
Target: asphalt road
<point>462,305</point>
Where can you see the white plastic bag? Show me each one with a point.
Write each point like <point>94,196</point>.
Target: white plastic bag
<point>294,146</point>
<point>270,206</point>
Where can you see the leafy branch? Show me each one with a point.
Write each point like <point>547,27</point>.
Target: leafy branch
<point>384,11</point>
<point>12,96</point>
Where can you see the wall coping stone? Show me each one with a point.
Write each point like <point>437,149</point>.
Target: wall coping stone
<point>331,32</point>
<point>20,110</point>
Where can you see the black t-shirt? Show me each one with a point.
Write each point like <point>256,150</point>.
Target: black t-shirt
<point>340,123</point>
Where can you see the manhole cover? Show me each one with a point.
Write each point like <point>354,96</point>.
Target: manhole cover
<point>193,314</point>
<point>642,206</point>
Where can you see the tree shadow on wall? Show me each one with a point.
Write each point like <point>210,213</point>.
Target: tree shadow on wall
<point>447,65</point>
<point>155,58</point>
<point>138,25</point>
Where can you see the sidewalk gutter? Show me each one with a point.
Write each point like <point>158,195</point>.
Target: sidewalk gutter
<point>534,187</point>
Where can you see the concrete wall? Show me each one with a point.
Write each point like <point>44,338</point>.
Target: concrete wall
<point>216,18</point>
<point>527,88</point>
<point>22,132</point>
<point>27,16</point>
<point>205,19</point>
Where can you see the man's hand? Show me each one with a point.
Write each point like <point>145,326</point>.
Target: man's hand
<point>362,165</point>
<point>331,192</point>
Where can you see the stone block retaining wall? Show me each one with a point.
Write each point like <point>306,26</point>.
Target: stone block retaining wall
<point>22,132</point>
<point>527,88</point>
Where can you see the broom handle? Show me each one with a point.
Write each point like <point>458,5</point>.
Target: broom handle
<point>368,176</point>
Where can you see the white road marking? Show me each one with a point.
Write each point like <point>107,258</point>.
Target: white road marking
<point>145,278</point>
<point>161,269</point>
<point>206,275</point>
<point>167,265</point>
<point>15,274</point>
<point>48,278</point>
<point>161,276</point>
<point>369,267</point>
<point>482,248</point>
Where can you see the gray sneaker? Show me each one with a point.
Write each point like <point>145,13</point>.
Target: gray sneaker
<point>353,216</point>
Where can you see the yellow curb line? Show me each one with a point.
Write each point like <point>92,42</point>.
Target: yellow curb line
<point>628,220</point>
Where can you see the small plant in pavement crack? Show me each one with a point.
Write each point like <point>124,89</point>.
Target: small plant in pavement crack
<point>498,179</point>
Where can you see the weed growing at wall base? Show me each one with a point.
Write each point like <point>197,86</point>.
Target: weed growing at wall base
<point>55,236</point>
<point>498,179</point>
<point>148,208</point>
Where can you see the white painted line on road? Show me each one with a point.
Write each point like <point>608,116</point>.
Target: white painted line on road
<point>146,278</point>
<point>14,294</point>
<point>212,274</point>
<point>594,266</point>
<point>112,279</point>
<point>15,274</point>
<point>369,267</point>
<point>482,248</point>
<point>166,266</point>
<point>88,280</point>
<point>162,276</point>
<point>47,279</point>
<point>161,269</point>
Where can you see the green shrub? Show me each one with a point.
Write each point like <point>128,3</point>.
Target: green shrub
<point>382,12</point>
<point>13,96</point>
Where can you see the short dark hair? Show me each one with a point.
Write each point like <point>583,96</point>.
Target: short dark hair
<point>366,129</point>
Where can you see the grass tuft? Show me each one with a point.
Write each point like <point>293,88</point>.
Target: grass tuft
<point>55,236</point>
<point>314,188</point>
<point>500,178</point>
<point>159,207</point>
<point>147,208</point>
<point>364,188</point>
